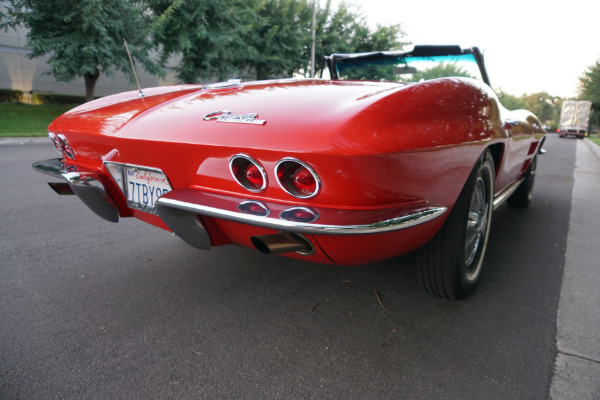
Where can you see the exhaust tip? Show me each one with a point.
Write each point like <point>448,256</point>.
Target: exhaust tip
<point>61,188</point>
<point>260,245</point>
<point>281,243</point>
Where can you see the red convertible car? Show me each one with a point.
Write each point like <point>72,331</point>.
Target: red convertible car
<point>395,152</point>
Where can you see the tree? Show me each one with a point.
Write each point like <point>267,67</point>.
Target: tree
<point>345,30</point>
<point>441,70</point>
<point>544,106</point>
<point>589,84</point>
<point>512,102</point>
<point>219,39</point>
<point>207,35</point>
<point>279,37</point>
<point>83,37</point>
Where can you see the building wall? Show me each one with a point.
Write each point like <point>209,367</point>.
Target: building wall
<point>19,72</point>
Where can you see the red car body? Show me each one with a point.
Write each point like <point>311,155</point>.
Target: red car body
<point>382,163</point>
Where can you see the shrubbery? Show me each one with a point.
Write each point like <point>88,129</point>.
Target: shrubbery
<point>10,96</point>
<point>16,96</point>
<point>50,98</point>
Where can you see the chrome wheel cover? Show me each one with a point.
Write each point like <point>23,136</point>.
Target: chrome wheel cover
<point>531,178</point>
<point>477,224</point>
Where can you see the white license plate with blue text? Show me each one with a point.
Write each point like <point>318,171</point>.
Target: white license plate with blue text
<point>144,187</point>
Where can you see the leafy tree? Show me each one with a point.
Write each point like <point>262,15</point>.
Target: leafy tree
<point>207,35</point>
<point>442,70</point>
<point>544,106</point>
<point>83,37</point>
<point>379,70</point>
<point>345,30</point>
<point>511,102</point>
<point>279,37</point>
<point>219,39</point>
<point>589,89</point>
<point>589,84</point>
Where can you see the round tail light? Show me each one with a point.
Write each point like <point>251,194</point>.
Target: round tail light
<point>297,178</point>
<point>62,145</point>
<point>248,173</point>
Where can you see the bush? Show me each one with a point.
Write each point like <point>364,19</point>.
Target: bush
<point>10,96</point>
<point>50,98</point>
<point>15,96</point>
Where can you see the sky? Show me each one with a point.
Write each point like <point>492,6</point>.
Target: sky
<point>529,46</point>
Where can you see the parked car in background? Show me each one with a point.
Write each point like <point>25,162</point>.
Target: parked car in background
<point>398,151</point>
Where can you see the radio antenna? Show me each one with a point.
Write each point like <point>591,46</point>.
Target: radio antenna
<point>141,94</point>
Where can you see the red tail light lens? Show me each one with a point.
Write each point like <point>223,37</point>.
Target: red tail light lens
<point>304,182</point>
<point>297,178</point>
<point>254,177</point>
<point>248,173</point>
<point>62,145</point>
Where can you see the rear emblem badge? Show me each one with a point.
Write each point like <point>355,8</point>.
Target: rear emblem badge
<point>228,116</point>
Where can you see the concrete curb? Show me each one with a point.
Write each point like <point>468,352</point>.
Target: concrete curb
<point>577,365</point>
<point>594,147</point>
<point>23,140</point>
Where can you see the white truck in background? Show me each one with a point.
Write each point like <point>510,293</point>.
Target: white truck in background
<point>574,118</point>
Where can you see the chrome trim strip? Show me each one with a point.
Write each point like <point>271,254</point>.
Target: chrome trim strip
<point>501,197</point>
<point>389,225</point>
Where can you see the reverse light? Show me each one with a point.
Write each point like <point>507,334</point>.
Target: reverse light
<point>254,208</point>
<point>297,178</point>
<point>248,173</point>
<point>299,214</point>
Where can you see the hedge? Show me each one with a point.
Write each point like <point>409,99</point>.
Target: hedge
<point>49,98</point>
<point>10,96</point>
<point>15,96</point>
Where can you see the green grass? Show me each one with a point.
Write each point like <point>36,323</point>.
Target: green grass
<point>595,140</point>
<point>19,120</point>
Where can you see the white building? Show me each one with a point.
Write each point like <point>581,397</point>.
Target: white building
<point>19,72</point>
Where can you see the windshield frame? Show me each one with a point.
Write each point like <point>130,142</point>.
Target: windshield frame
<point>417,52</point>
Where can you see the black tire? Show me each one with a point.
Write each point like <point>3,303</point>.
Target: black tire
<point>449,266</point>
<point>524,193</point>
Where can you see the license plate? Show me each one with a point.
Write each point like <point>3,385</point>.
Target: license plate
<point>144,187</point>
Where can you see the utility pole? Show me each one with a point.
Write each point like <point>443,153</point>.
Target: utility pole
<point>314,39</point>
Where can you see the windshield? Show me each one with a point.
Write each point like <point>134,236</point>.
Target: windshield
<point>407,68</point>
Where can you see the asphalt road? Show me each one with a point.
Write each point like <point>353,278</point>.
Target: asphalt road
<point>94,310</point>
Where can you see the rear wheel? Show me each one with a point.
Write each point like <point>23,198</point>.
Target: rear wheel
<point>449,266</point>
<point>524,193</point>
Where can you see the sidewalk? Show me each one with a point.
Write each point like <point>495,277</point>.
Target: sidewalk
<point>577,365</point>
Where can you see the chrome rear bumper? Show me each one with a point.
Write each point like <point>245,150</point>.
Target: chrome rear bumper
<point>179,210</point>
<point>85,184</point>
